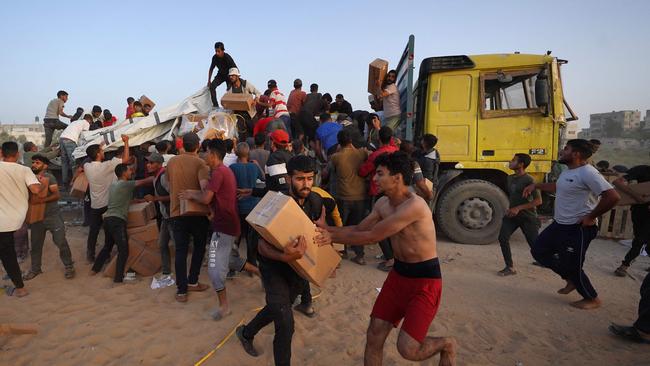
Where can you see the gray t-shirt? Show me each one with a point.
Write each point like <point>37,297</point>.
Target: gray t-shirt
<point>577,192</point>
<point>52,110</point>
<point>391,102</point>
<point>119,198</point>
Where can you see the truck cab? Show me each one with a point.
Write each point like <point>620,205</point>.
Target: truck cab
<point>484,109</point>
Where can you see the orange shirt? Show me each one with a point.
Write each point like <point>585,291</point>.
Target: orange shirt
<point>296,100</point>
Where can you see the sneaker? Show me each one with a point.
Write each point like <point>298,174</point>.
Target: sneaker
<point>31,275</point>
<point>69,272</point>
<point>621,271</point>
<point>245,342</point>
<point>130,277</point>
<point>508,271</point>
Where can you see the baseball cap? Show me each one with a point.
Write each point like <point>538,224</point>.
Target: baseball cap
<point>280,137</point>
<point>41,158</point>
<point>272,83</point>
<point>155,158</point>
<point>233,71</point>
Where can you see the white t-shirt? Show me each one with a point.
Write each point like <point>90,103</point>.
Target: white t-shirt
<point>166,158</point>
<point>577,192</point>
<point>100,176</point>
<point>229,159</point>
<point>14,195</point>
<point>75,129</point>
<point>391,102</point>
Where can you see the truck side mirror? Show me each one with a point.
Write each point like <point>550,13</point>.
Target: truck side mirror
<point>541,89</point>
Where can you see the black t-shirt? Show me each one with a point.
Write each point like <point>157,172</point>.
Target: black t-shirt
<point>222,63</point>
<point>641,174</point>
<point>276,167</point>
<point>345,107</point>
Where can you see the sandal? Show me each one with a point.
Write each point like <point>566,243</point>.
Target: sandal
<point>507,272</point>
<point>181,297</point>
<point>384,267</point>
<point>69,272</point>
<point>198,287</point>
<point>629,333</point>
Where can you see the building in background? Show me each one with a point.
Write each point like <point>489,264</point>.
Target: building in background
<point>33,132</point>
<point>613,124</point>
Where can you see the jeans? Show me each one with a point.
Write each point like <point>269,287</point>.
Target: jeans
<point>641,228</point>
<point>220,261</point>
<point>116,228</point>
<point>282,285</point>
<point>529,225</point>
<point>49,125</point>
<point>96,221</point>
<point>352,212</point>
<point>8,258</point>
<point>67,160</point>
<point>251,237</point>
<point>218,80</point>
<point>165,234</point>
<point>56,227</point>
<point>286,119</point>
<point>643,321</point>
<point>182,228</point>
<point>562,248</point>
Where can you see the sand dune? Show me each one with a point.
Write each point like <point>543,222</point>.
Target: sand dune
<point>498,321</point>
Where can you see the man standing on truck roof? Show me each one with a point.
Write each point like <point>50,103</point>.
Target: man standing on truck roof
<point>391,102</point>
<point>562,246</point>
<point>413,287</point>
<point>223,62</point>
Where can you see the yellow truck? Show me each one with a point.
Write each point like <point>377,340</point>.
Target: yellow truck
<point>483,109</point>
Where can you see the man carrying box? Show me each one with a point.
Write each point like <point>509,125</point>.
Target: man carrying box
<point>221,194</point>
<point>119,198</point>
<point>52,222</point>
<point>281,283</point>
<point>413,287</point>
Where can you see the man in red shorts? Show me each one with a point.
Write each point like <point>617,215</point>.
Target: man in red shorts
<point>413,287</point>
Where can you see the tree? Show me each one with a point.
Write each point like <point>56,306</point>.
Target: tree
<point>5,136</point>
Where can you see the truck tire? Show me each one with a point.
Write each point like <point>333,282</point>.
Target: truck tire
<point>470,211</point>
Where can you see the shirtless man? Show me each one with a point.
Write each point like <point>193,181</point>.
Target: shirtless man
<point>413,288</point>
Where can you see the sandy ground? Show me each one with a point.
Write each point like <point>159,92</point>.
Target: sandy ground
<point>497,321</point>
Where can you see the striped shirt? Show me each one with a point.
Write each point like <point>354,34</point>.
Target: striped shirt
<point>278,103</point>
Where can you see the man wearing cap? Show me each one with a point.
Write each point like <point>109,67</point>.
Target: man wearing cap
<point>278,105</point>
<point>68,143</point>
<point>187,171</point>
<point>52,222</point>
<point>223,62</point>
<point>241,86</point>
<point>276,165</point>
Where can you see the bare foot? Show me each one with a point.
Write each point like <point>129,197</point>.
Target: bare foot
<point>586,304</point>
<point>220,313</point>
<point>567,289</point>
<point>21,292</point>
<point>448,354</point>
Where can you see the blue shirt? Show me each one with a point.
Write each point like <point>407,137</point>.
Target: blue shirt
<point>246,176</point>
<point>327,134</point>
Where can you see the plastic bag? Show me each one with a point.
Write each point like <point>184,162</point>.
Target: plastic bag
<point>162,282</point>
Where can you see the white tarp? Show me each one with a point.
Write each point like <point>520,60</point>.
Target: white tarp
<point>157,124</point>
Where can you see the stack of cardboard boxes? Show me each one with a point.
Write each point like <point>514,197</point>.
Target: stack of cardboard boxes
<point>142,230</point>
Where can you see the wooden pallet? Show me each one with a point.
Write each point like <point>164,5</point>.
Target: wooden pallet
<point>616,223</point>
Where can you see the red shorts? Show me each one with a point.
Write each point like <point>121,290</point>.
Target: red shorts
<point>416,300</point>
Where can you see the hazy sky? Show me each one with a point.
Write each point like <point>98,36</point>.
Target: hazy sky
<point>103,52</point>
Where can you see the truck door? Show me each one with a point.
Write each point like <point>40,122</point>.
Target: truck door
<point>509,121</point>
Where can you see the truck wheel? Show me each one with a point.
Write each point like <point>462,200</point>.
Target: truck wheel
<point>470,211</point>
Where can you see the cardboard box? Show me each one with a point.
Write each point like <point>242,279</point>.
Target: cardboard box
<point>134,253</point>
<point>377,71</point>
<point>279,220</point>
<point>79,186</point>
<point>643,189</point>
<point>144,261</point>
<point>237,101</point>
<point>36,211</point>
<point>145,100</point>
<point>193,208</point>
<point>147,234</point>
<point>140,214</point>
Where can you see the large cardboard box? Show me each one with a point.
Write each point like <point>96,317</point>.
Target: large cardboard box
<point>145,100</point>
<point>144,261</point>
<point>147,234</point>
<point>134,253</point>
<point>377,71</point>
<point>643,189</point>
<point>237,101</point>
<point>279,220</point>
<point>193,208</point>
<point>79,186</point>
<point>36,211</point>
<point>140,214</point>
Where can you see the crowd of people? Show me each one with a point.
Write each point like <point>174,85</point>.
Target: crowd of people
<point>351,174</point>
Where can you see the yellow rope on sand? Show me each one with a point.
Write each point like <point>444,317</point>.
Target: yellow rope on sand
<point>232,331</point>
